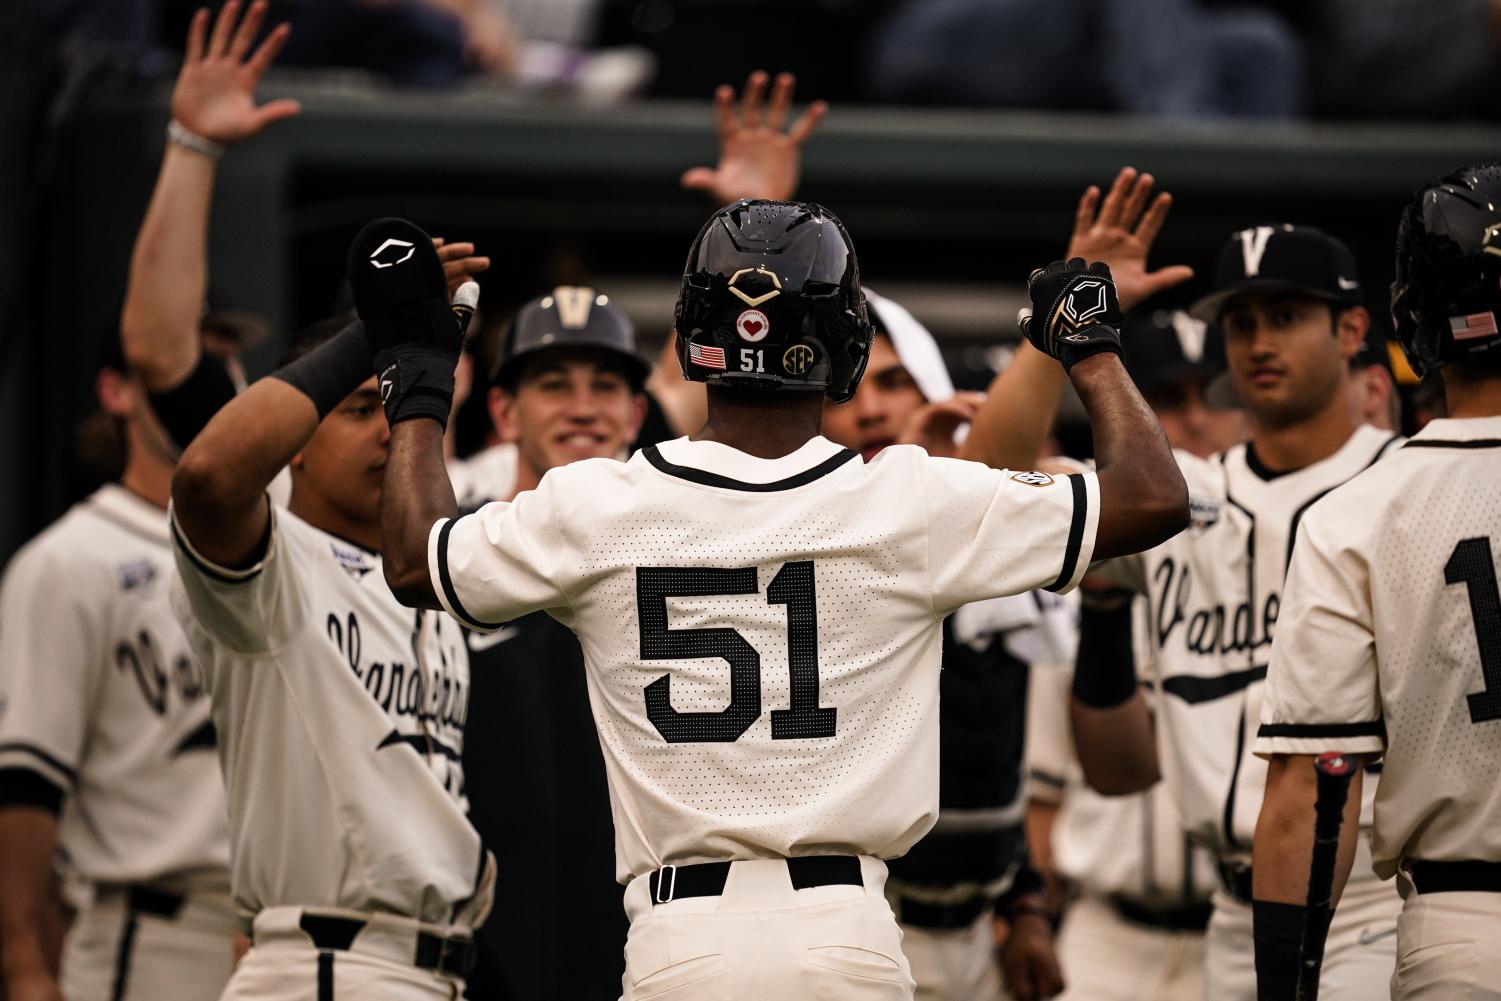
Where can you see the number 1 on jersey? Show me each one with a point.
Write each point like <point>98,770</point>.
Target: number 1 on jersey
<point>1471,564</point>
<point>792,586</point>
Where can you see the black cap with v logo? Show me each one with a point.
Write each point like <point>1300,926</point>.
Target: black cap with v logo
<point>1282,258</point>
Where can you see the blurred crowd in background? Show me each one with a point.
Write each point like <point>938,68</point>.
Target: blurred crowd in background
<point>1276,59</point>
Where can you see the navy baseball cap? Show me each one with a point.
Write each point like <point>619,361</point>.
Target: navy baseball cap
<point>1283,257</point>
<point>570,316</point>
<point>1166,346</point>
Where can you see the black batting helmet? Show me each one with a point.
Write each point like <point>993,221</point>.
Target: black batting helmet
<point>1446,299</point>
<point>771,300</point>
<point>573,317</point>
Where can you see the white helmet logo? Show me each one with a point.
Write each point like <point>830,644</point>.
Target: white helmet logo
<point>395,246</point>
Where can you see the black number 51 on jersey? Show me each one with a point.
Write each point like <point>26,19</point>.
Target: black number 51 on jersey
<point>793,587</point>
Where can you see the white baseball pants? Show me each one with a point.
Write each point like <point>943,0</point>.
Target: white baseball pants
<point>1107,958</point>
<point>115,952</point>
<point>1449,946</point>
<point>762,940</point>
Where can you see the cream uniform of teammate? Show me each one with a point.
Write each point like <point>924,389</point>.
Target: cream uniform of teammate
<point>1392,644</point>
<point>1287,299</point>
<point>768,725</point>
<point>340,713</point>
<point>104,723</point>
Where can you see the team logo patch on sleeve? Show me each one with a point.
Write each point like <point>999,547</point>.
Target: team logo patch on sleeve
<point>1033,478</point>
<point>752,325</point>
<point>1202,513</point>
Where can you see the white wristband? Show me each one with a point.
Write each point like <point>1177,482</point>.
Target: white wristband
<point>188,139</point>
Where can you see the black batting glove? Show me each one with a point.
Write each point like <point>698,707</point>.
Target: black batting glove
<point>1074,311</point>
<point>402,297</point>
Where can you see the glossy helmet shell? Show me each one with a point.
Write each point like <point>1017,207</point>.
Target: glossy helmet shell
<point>1446,298</point>
<point>771,300</point>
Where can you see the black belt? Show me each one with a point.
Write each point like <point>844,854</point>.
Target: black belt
<point>926,914</point>
<point>452,955</point>
<point>163,904</point>
<point>707,879</point>
<point>1183,917</point>
<point>1456,877</point>
<point>1236,880</point>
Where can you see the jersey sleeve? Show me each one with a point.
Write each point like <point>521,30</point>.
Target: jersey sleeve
<point>253,611</point>
<point>51,650</point>
<point>994,532</point>
<point>1322,691</point>
<point>506,560</point>
<point>1049,750</point>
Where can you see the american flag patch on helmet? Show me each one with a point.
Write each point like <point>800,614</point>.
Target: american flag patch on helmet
<point>706,357</point>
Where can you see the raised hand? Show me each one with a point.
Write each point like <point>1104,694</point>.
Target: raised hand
<point>933,425</point>
<point>757,159</point>
<point>1120,231</point>
<point>215,92</point>
<point>459,263</point>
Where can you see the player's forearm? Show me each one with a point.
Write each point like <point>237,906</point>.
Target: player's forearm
<point>416,494</point>
<point>219,485</point>
<point>30,920</point>
<point>1117,747</point>
<point>169,272</point>
<point>1018,412</point>
<point>1284,832</point>
<point>1143,499</point>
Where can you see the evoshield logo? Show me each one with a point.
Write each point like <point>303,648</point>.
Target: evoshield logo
<point>385,256</point>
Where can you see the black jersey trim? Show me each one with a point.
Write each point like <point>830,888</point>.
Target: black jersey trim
<point>445,580</point>
<point>27,787</point>
<point>709,479</point>
<point>1075,532</point>
<point>1261,469</point>
<point>1193,689</point>
<point>1297,518</point>
<point>204,738</point>
<point>41,755</point>
<point>1372,728</point>
<point>1445,443</point>
<point>420,743</point>
<point>217,573</point>
<point>1046,778</point>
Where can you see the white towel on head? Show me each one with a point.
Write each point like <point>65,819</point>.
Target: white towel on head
<point>915,347</point>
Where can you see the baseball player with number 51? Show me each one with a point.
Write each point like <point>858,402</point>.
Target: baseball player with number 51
<point>769,722</point>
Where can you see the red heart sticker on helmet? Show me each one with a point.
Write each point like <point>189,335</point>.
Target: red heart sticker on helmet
<point>752,325</point>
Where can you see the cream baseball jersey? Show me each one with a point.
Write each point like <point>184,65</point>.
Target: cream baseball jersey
<point>1131,846</point>
<point>484,476</point>
<point>1392,642</point>
<point>341,724</point>
<point>100,697</point>
<point>1214,597</point>
<point>762,637</point>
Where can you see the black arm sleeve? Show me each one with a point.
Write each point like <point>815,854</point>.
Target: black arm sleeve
<point>187,407</point>
<point>24,787</point>
<point>1104,668</point>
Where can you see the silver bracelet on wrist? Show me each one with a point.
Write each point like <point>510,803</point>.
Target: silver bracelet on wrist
<point>188,139</point>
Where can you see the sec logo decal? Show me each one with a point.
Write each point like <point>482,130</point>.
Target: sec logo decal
<point>1033,479</point>
<point>752,325</point>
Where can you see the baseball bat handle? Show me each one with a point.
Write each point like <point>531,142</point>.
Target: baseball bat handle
<point>1334,773</point>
